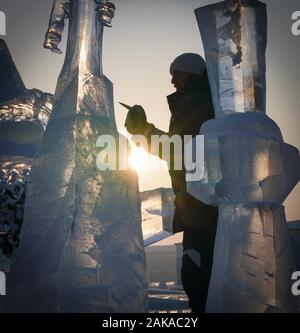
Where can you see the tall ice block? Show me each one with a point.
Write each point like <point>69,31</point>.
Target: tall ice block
<point>248,169</point>
<point>81,246</point>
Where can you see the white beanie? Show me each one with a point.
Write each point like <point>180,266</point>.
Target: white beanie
<point>189,63</point>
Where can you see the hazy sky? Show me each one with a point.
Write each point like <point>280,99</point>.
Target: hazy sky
<point>146,36</point>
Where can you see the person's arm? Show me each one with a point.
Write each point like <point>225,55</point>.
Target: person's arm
<point>151,130</point>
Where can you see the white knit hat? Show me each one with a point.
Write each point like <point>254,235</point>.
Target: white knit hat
<point>189,63</point>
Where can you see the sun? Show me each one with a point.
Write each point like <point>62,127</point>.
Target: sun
<point>138,158</point>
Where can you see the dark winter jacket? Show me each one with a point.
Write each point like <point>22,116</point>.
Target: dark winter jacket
<point>189,110</point>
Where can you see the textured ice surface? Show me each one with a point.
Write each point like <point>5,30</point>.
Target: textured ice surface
<point>24,119</point>
<point>14,176</point>
<point>82,246</point>
<point>157,211</point>
<point>60,11</point>
<point>252,262</point>
<point>234,36</point>
<point>24,114</point>
<point>259,161</point>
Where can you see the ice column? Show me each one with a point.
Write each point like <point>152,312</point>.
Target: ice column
<point>82,246</point>
<point>249,170</point>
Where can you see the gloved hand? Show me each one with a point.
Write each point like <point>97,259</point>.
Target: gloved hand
<point>136,120</point>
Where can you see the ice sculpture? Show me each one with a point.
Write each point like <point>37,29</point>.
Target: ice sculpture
<point>249,170</point>
<point>157,214</point>
<point>81,245</point>
<point>24,114</point>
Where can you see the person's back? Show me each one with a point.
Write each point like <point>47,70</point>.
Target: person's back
<point>190,106</point>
